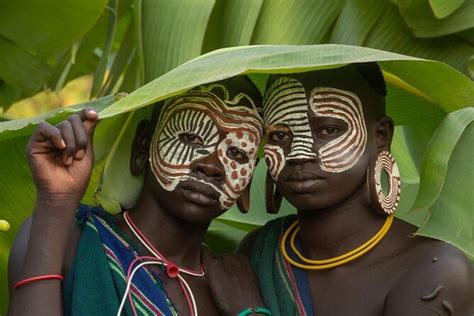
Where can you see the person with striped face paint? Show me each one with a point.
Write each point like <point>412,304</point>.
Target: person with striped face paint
<point>198,154</point>
<point>327,145</point>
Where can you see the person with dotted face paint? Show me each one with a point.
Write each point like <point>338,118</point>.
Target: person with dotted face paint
<point>197,154</point>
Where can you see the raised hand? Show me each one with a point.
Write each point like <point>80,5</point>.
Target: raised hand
<point>61,157</point>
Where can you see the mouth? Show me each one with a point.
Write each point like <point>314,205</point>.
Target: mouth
<point>302,182</point>
<point>199,193</point>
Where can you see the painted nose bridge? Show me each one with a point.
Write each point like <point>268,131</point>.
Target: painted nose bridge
<point>302,145</point>
<point>209,167</point>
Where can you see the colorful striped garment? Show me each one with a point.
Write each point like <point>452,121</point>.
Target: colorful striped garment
<point>285,289</point>
<point>96,281</point>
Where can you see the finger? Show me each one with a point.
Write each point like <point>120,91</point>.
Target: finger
<point>88,114</point>
<point>47,132</point>
<point>68,136</point>
<point>80,136</point>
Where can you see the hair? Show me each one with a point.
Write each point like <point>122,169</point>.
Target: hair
<point>373,75</point>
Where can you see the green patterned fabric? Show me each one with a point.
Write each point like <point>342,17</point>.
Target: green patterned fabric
<point>267,261</point>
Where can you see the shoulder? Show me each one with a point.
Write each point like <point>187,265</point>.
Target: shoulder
<point>270,228</point>
<point>438,277</point>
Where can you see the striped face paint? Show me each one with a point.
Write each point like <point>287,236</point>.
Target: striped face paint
<point>286,107</point>
<point>343,152</point>
<point>189,129</point>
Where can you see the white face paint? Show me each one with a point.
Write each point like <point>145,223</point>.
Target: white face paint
<point>286,107</point>
<point>201,115</point>
<point>343,152</point>
<point>285,104</point>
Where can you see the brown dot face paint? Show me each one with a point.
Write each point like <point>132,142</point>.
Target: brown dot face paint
<point>200,116</point>
<point>286,110</point>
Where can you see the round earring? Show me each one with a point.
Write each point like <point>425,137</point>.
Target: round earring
<point>385,203</point>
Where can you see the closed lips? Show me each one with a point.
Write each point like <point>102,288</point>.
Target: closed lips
<point>302,176</point>
<point>200,188</point>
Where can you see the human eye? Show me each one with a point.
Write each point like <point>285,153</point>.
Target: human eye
<point>237,154</point>
<point>329,131</point>
<point>192,139</point>
<point>278,135</point>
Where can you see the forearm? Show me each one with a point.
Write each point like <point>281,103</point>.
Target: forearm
<point>45,253</point>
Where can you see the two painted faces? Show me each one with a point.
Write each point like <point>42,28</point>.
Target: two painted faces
<point>201,123</point>
<point>287,107</point>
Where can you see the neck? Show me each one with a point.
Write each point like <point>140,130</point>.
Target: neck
<point>179,241</point>
<point>330,232</point>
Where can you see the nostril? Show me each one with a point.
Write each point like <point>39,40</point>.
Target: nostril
<point>210,171</point>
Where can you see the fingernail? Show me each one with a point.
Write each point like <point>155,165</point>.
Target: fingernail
<point>63,144</point>
<point>69,161</point>
<point>93,112</point>
<point>80,154</point>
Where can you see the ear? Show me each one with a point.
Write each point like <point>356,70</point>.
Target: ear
<point>383,134</point>
<point>140,147</point>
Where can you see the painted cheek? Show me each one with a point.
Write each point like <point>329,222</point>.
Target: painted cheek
<point>237,175</point>
<point>275,159</point>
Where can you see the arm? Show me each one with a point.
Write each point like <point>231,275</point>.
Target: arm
<point>233,283</point>
<point>61,160</point>
<point>439,282</point>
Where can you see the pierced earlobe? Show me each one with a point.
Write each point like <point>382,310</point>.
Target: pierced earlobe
<point>384,203</point>
<point>243,202</point>
<point>140,148</point>
<point>272,198</point>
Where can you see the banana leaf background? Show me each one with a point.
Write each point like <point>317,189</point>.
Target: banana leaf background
<point>126,44</point>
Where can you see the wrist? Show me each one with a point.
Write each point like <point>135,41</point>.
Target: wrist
<point>58,206</point>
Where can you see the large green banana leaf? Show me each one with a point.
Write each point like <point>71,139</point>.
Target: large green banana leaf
<point>435,169</point>
<point>142,39</point>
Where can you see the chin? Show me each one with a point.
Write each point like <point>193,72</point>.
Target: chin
<point>198,214</point>
<point>306,202</point>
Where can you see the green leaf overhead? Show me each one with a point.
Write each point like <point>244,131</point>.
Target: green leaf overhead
<point>409,71</point>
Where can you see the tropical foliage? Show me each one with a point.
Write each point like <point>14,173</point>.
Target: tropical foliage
<point>127,43</point>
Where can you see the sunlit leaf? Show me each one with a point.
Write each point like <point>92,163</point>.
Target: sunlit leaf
<point>444,8</point>
<point>420,17</point>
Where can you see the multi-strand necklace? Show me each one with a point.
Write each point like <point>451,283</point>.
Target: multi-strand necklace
<point>310,264</point>
<point>172,270</point>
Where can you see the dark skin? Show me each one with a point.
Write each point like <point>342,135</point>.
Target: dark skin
<point>404,274</point>
<point>61,159</point>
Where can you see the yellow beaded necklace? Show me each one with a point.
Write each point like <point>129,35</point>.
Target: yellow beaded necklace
<point>332,262</point>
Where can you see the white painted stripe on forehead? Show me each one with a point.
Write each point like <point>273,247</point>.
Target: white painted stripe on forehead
<point>343,152</point>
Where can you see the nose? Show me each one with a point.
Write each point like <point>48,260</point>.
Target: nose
<point>302,160</point>
<point>209,167</point>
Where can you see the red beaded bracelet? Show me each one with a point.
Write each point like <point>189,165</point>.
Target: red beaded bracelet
<point>39,278</point>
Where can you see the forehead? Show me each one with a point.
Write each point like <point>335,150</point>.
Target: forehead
<point>346,79</point>
<point>214,101</point>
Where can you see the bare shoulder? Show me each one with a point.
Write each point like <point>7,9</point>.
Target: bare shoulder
<point>438,279</point>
